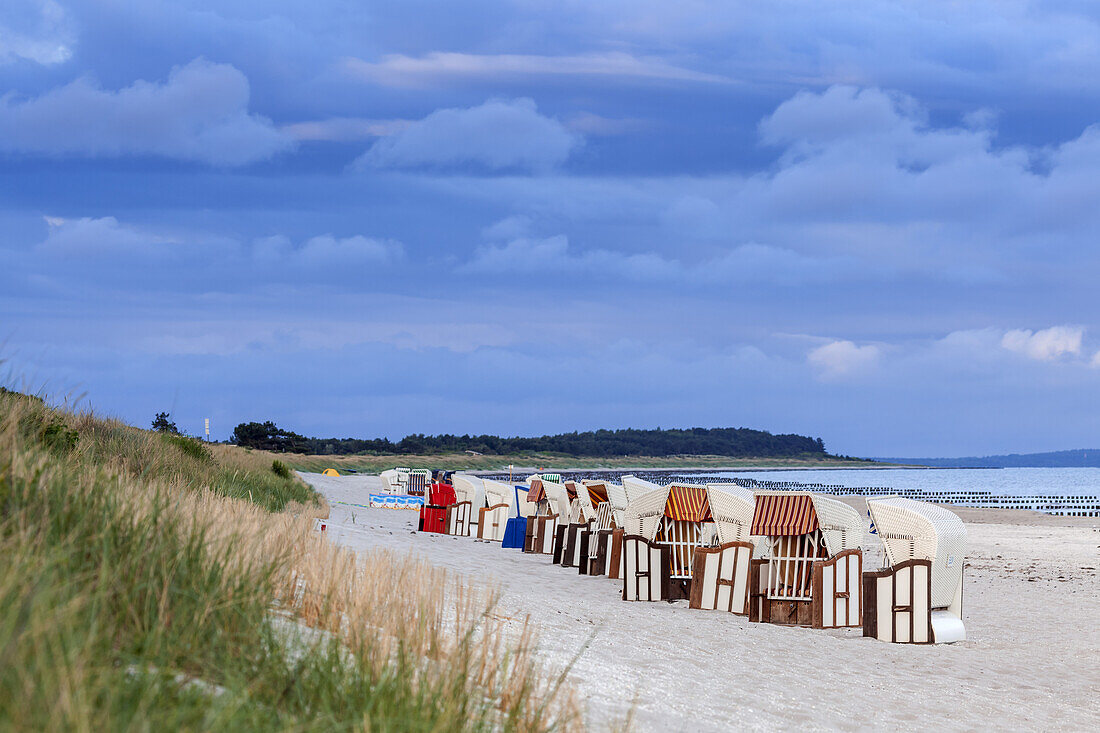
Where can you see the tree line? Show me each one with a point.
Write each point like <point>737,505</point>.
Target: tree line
<point>732,442</point>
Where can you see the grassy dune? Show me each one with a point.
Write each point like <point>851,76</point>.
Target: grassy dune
<point>156,583</point>
<point>463,461</point>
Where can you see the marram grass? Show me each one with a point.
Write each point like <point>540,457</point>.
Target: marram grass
<point>141,590</point>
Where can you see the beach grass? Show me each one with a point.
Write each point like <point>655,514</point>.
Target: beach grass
<point>155,582</point>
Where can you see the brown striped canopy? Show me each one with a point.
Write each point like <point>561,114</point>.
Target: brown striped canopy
<point>688,504</point>
<point>571,489</point>
<point>780,515</point>
<point>536,493</point>
<point>597,492</point>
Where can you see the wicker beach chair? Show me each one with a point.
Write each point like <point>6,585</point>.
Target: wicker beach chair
<point>813,559</point>
<point>469,501</point>
<point>493,518</point>
<point>918,598</point>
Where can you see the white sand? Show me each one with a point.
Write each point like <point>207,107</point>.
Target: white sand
<point>1031,660</point>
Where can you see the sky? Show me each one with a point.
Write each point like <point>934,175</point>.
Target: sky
<point>872,222</point>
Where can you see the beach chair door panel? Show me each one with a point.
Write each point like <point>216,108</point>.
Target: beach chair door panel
<point>645,565</point>
<point>720,578</point>
<point>898,603</point>
<point>546,534</point>
<point>458,519</point>
<point>492,523</point>
<point>911,603</point>
<point>837,591</point>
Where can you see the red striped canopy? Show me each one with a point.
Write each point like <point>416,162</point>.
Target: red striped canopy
<point>597,492</point>
<point>688,504</point>
<point>779,515</point>
<point>536,493</point>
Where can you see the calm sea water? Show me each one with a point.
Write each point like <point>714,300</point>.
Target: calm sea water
<point>1007,481</point>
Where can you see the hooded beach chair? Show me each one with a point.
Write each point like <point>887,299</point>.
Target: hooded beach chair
<point>582,514</point>
<point>551,506</point>
<point>662,530</point>
<point>433,515</point>
<point>493,518</point>
<point>395,480</point>
<point>810,575</point>
<point>917,598</point>
<point>596,539</point>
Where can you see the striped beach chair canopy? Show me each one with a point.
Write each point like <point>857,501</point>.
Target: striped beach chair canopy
<point>794,513</point>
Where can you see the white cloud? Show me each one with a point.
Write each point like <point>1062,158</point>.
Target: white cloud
<point>343,129</point>
<point>95,238</point>
<point>326,252</point>
<point>1045,345</point>
<point>499,134</point>
<point>401,70</point>
<point>843,358</point>
<point>524,254</point>
<point>35,30</point>
<point>200,113</point>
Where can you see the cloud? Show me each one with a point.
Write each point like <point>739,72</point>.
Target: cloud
<point>343,129</point>
<point>524,254</point>
<point>200,114</point>
<point>106,255</point>
<point>843,358</point>
<point>89,238</point>
<point>35,30</point>
<point>1045,345</point>
<point>436,67</point>
<point>332,252</point>
<point>499,134</point>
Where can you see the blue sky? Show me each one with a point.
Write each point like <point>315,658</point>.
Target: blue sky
<point>872,222</point>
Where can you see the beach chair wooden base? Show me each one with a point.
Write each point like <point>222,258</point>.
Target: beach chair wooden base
<point>492,522</point>
<point>433,519</point>
<point>645,569</point>
<point>897,603</point>
<point>609,555</point>
<point>570,553</point>
<point>559,543</point>
<point>540,532</point>
<point>720,578</point>
<point>458,519</point>
<point>836,598</point>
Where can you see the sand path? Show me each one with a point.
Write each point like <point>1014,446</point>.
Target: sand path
<point>1031,660</point>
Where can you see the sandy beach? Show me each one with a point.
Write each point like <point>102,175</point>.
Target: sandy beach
<point>1031,660</point>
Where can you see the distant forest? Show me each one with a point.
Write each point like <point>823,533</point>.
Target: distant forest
<point>733,442</point>
<point>1081,458</point>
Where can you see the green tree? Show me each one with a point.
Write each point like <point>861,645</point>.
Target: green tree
<point>162,424</point>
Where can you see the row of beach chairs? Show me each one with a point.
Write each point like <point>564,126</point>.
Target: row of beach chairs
<point>774,555</point>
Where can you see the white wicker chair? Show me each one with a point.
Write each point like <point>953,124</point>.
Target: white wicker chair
<point>732,508</point>
<point>842,527</point>
<point>644,512</point>
<point>617,496</point>
<point>916,530</point>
